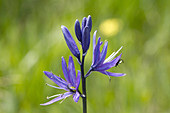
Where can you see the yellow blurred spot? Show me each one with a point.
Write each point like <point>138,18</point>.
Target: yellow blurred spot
<point>110,27</point>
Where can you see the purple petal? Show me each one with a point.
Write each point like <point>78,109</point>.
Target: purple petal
<point>89,22</point>
<point>108,65</point>
<point>65,95</point>
<point>65,71</point>
<point>94,39</point>
<point>96,53</point>
<point>78,31</point>
<point>76,96</point>
<point>83,23</point>
<point>101,43</point>
<point>113,74</point>
<point>59,81</point>
<point>70,42</point>
<point>103,54</point>
<point>94,44</point>
<point>85,39</point>
<point>78,79</point>
<point>72,73</point>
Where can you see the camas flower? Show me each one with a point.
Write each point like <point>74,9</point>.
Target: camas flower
<point>99,62</point>
<point>83,34</point>
<point>70,42</point>
<point>70,85</point>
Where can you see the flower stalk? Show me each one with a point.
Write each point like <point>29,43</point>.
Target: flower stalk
<point>83,85</point>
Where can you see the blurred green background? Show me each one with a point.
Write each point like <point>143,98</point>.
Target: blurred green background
<point>31,42</point>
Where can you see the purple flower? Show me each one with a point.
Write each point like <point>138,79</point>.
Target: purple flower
<point>99,62</point>
<point>83,34</point>
<point>70,85</point>
<point>70,42</point>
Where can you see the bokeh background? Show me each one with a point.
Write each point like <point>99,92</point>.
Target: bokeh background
<point>31,41</point>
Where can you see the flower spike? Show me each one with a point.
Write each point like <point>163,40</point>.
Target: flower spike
<point>99,63</point>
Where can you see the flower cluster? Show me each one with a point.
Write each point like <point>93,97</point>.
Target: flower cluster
<point>99,62</point>
<point>70,85</point>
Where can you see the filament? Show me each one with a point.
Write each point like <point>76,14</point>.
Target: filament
<point>54,96</point>
<point>112,55</point>
<point>63,100</point>
<point>54,86</point>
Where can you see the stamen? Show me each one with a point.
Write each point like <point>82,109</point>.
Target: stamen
<point>110,58</point>
<point>54,96</point>
<point>54,86</point>
<point>63,100</point>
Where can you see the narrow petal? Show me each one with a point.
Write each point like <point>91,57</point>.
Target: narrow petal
<point>78,31</point>
<point>85,39</point>
<point>103,54</point>
<point>113,74</point>
<point>59,81</point>
<point>70,42</point>
<point>108,65</point>
<point>76,96</point>
<point>101,43</point>
<point>78,79</point>
<point>65,71</point>
<point>94,44</point>
<point>83,23</point>
<point>65,95</point>
<point>72,73</point>
<point>96,52</point>
<point>94,40</point>
<point>89,22</point>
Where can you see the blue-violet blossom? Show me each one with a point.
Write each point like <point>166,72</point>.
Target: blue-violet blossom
<point>70,85</point>
<point>99,62</point>
<point>83,34</point>
<point>70,42</point>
